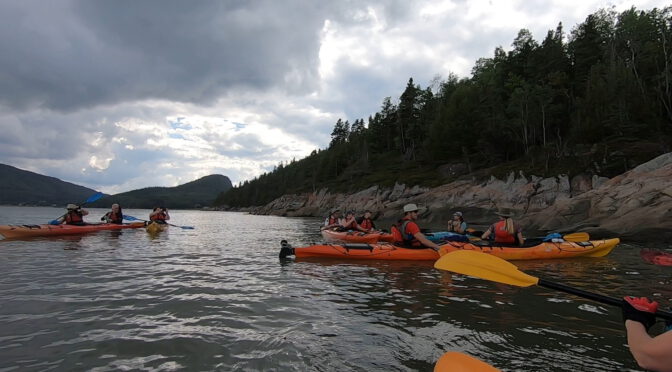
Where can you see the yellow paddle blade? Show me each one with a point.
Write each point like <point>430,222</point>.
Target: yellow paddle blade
<point>484,266</point>
<point>577,237</point>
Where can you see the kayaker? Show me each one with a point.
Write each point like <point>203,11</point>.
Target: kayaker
<point>333,221</point>
<point>457,224</point>
<point>349,222</point>
<point>505,230</point>
<point>74,216</point>
<point>407,233</point>
<point>159,215</point>
<point>651,353</point>
<point>365,222</point>
<point>115,215</point>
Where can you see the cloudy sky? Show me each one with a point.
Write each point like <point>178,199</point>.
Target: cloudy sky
<point>119,95</point>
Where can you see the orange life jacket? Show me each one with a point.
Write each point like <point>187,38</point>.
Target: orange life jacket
<point>366,224</point>
<point>158,217</point>
<point>74,218</point>
<point>501,235</point>
<point>400,236</point>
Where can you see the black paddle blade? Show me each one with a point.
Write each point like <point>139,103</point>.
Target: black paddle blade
<point>285,249</point>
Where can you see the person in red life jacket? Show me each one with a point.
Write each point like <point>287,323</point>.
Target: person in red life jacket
<point>349,222</point>
<point>365,222</point>
<point>75,215</point>
<point>159,215</point>
<point>407,232</point>
<point>651,353</point>
<point>505,230</point>
<point>114,216</point>
<point>333,222</point>
<point>457,224</point>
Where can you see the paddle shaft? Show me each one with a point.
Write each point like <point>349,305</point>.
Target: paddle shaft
<point>594,296</point>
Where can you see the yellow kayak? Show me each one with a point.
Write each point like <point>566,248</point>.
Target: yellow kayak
<point>155,228</point>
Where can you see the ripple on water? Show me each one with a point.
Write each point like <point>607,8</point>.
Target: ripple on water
<point>218,298</point>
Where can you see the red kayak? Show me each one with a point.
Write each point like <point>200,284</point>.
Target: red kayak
<point>656,257</point>
<point>29,231</point>
<point>356,236</point>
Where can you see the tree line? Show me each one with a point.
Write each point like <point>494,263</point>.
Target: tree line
<point>608,81</point>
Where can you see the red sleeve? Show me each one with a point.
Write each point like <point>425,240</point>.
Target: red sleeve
<point>412,228</point>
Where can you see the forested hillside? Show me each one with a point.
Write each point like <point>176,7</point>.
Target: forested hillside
<point>196,194</point>
<point>21,187</point>
<point>596,100</point>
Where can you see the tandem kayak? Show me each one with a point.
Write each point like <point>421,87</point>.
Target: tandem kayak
<point>457,362</point>
<point>385,251</point>
<point>360,251</point>
<point>28,231</point>
<point>656,257</point>
<point>356,236</point>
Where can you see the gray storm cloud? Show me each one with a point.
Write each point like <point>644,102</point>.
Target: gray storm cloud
<point>66,55</point>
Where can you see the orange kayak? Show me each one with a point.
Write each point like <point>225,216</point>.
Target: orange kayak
<point>356,236</point>
<point>457,362</point>
<point>27,231</point>
<point>360,251</point>
<point>543,250</point>
<point>385,251</point>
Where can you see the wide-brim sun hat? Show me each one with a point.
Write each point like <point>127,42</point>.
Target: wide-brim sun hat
<point>457,214</point>
<point>410,208</point>
<point>506,213</point>
<point>72,206</point>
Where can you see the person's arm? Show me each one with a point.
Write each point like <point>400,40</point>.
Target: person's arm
<point>521,240</point>
<point>461,228</point>
<point>653,353</point>
<point>84,212</point>
<point>487,233</point>
<point>426,242</point>
<point>165,212</point>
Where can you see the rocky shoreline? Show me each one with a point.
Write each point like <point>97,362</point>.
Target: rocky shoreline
<point>636,205</point>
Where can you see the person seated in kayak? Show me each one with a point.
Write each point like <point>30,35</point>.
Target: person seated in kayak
<point>114,216</point>
<point>365,222</point>
<point>159,215</point>
<point>75,215</point>
<point>651,353</point>
<point>333,222</point>
<point>407,233</point>
<point>457,224</point>
<point>505,230</point>
<point>350,223</point>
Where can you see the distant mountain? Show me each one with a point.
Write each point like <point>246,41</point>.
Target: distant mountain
<point>21,187</point>
<point>195,194</point>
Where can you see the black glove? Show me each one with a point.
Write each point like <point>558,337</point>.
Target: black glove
<point>640,310</point>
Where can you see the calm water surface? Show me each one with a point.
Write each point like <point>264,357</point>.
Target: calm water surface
<point>218,298</point>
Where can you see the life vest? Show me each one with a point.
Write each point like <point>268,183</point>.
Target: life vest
<point>366,224</point>
<point>158,217</point>
<point>74,218</point>
<point>401,238</point>
<point>114,217</point>
<point>501,235</point>
<point>352,225</point>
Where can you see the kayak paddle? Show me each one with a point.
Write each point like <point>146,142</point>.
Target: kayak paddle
<point>91,199</point>
<point>131,218</point>
<point>489,267</point>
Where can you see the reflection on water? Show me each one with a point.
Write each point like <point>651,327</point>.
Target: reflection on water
<point>218,298</point>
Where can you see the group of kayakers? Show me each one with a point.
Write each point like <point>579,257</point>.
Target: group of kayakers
<point>75,215</point>
<point>363,223</point>
<point>407,232</point>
